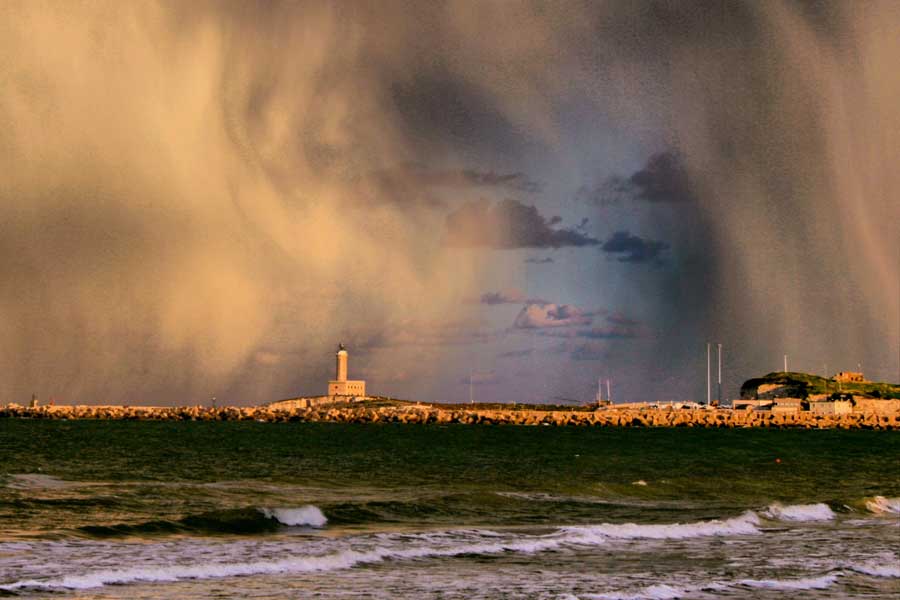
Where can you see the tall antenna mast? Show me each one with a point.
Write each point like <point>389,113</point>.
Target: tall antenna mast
<point>608,394</point>
<point>720,373</point>
<point>708,376</point>
<point>785,363</point>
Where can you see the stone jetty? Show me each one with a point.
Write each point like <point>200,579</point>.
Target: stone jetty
<point>411,413</point>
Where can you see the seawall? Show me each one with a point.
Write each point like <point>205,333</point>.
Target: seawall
<point>434,414</point>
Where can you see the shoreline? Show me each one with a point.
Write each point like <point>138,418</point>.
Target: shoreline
<point>360,412</point>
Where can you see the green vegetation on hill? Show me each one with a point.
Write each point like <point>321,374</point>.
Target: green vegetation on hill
<point>803,385</point>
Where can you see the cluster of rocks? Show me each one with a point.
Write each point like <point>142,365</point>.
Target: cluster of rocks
<point>424,414</point>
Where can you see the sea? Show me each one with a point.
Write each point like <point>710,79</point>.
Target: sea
<point>150,510</point>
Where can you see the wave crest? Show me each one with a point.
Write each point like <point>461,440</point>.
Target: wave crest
<point>873,568</point>
<point>232,521</point>
<point>432,545</point>
<point>809,583</point>
<point>745,524</point>
<point>799,512</point>
<point>880,505</point>
<point>659,591</point>
<point>309,516</point>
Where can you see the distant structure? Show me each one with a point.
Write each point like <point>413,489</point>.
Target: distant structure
<point>849,377</point>
<point>340,385</point>
<point>599,398</point>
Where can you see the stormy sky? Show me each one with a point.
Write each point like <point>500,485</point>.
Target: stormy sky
<point>203,199</point>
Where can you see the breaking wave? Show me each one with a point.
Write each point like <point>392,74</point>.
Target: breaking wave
<point>880,505</point>
<point>659,591</point>
<point>745,524</point>
<point>889,569</point>
<point>36,481</point>
<point>799,512</point>
<point>300,564</point>
<point>238,521</point>
<point>664,591</point>
<point>309,516</point>
<point>398,547</point>
<point>808,583</point>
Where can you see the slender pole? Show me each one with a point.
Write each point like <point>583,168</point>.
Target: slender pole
<point>471,396</point>
<point>708,376</point>
<point>785,363</point>
<point>599,390</point>
<point>534,396</point>
<point>608,394</point>
<point>720,372</point>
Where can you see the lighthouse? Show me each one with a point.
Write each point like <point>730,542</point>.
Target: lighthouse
<point>340,385</point>
<point>341,369</point>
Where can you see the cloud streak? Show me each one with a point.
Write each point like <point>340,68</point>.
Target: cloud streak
<point>512,296</point>
<point>509,224</point>
<point>542,316</point>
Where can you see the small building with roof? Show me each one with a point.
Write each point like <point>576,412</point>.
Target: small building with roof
<point>849,377</point>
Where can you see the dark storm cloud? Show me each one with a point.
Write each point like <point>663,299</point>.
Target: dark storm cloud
<point>663,179</point>
<point>633,249</point>
<point>512,181</point>
<point>439,104</point>
<point>508,224</point>
<point>504,297</point>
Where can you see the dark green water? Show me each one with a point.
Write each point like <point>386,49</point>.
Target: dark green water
<point>107,508</point>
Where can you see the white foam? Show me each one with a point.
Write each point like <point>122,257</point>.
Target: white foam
<point>32,481</point>
<point>640,482</point>
<point>810,583</point>
<point>309,516</point>
<point>744,524</point>
<point>880,504</point>
<point>406,547</point>
<point>799,512</point>
<point>890,569</point>
<point>613,501</point>
<point>654,592</point>
<point>301,564</point>
<point>664,591</point>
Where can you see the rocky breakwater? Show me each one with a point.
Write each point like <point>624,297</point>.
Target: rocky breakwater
<point>435,414</point>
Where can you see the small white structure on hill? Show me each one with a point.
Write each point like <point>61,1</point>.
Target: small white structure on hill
<point>340,385</point>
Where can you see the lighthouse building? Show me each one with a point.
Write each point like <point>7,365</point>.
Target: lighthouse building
<point>340,385</point>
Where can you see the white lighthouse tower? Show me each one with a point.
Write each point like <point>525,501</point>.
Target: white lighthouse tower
<point>340,385</point>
